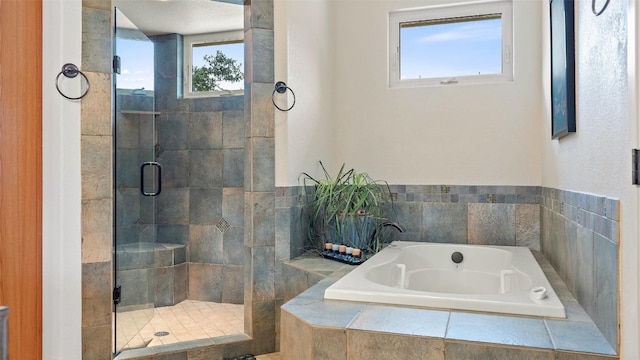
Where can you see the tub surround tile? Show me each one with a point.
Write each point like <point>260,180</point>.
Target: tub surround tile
<point>407,321</point>
<point>370,345</point>
<point>585,253</point>
<point>562,355</point>
<point>296,335</point>
<point>325,313</point>
<point>445,223</point>
<point>492,224</point>
<point>495,329</point>
<point>337,338</point>
<point>575,312</point>
<point>282,234</point>
<point>528,226</point>
<point>570,262</point>
<point>296,282</point>
<point>468,335</point>
<point>583,269</point>
<point>605,284</point>
<point>471,351</point>
<point>578,336</point>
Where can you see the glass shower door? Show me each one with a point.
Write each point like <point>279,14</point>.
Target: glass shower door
<point>137,184</point>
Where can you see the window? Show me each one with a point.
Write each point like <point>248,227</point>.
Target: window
<point>214,64</point>
<point>462,43</point>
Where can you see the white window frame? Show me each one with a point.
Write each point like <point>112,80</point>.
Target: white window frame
<point>205,39</point>
<point>503,7</point>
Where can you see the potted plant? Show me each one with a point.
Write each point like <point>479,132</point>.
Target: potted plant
<point>346,209</point>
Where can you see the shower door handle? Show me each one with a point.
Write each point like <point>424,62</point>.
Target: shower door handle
<point>159,188</point>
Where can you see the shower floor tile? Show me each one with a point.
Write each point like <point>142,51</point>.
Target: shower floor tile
<point>188,320</point>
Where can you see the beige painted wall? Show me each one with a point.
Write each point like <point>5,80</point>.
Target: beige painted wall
<point>305,60</point>
<point>456,134</point>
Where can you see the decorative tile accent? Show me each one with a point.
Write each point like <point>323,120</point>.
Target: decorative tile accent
<point>223,225</point>
<point>139,226</point>
<point>158,150</point>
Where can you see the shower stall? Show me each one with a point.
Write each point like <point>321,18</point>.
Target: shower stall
<point>178,197</point>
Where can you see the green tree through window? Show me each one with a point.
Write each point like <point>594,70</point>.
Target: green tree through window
<point>218,68</point>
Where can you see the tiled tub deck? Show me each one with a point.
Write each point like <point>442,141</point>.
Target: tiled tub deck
<point>314,328</point>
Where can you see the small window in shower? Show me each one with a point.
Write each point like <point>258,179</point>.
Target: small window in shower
<point>442,45</point>
<point>214,64</point>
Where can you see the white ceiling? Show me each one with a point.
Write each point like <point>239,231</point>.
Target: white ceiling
<point>186,17</point>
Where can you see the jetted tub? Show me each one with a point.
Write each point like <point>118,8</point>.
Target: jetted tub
<point>502,279</point>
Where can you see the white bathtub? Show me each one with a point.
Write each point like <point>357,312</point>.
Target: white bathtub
<point>502,279</point>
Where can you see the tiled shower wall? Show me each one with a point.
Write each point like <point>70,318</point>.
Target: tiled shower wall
<point>577,232</point>
<point>200,144</point>
<point>97,195</point>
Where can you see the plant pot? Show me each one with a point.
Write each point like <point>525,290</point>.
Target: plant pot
<point>353,230</point>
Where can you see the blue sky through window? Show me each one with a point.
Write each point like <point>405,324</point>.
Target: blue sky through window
<point>136,70</point>
<point>451,49</point>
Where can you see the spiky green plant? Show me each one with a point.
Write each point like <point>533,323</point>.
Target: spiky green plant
<point>346,208</point>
